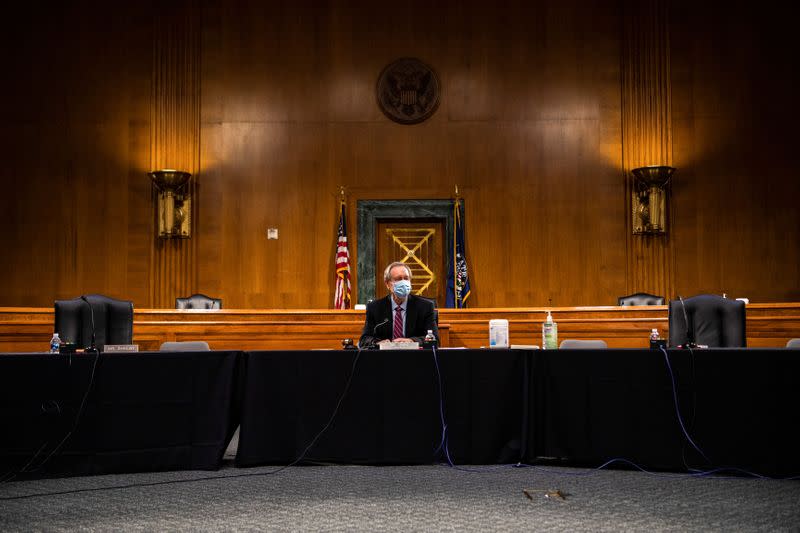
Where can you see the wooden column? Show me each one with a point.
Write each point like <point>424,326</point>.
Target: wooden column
<point>647,135</point>
<point>175,140</point>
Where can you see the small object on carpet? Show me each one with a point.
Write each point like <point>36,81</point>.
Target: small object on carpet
<point>548,493</point>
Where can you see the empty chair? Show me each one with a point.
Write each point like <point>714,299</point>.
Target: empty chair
<point>113,320</point>
<point>793,343</point>
<point>640,298</point>
<point>198,301</point>
<point>582,344</point>
<point>184,346</point>
<point>714,321</point>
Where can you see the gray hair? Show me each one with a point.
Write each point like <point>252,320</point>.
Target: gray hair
<point>387,273</point>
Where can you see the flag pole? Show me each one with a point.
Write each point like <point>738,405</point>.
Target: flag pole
<point>455,249</point>
<point>342,294</point>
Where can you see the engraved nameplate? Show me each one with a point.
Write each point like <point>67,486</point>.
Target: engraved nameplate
<point>391,345</point>
<point>120,348</point>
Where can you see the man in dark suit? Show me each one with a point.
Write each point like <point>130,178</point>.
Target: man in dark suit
<point>384,322</point>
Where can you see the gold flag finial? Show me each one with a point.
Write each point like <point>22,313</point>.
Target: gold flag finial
<point>341,192</point>
<point>456,190</point>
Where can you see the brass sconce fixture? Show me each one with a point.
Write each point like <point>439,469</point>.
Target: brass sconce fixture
<point>174,206</point>
<point>650,199</point>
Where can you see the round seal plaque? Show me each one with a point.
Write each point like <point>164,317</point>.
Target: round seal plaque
<point>408,91</point>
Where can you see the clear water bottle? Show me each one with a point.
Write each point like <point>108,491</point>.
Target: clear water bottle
<point>430,340</point>
<point>549,333</point>
<point>656,342</point>
<point>55,343</point>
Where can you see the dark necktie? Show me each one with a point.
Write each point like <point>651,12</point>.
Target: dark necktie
<point>398,324</point>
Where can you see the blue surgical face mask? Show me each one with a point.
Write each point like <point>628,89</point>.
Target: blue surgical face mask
<point>401,288</point>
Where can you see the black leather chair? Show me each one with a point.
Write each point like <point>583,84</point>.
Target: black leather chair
<point>714,321</point>
<point>113,320</point>
<point>198,301</point>
<point>640,298</point>
<point>435,309</point>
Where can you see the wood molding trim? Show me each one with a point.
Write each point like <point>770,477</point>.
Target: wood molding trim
<point>29,329</point>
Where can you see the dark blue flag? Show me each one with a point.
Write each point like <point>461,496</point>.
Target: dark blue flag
<point>458,290</point>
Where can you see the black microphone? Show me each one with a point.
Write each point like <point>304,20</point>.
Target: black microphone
<point>371,343</point>
<point>375,329</point>
<point>93,346</point>
<point>689,330</point>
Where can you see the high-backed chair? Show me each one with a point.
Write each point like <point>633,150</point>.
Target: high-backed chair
<point>793,343</point>
<point>714,321</point>
<point>184,346</point>
<point>113,320</point>
<point>582,344</point>
<point>435,308</point>
<point>640,298</point>
<point>198,301</point>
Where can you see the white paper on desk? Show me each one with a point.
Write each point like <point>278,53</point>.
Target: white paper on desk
<point>391,345</point>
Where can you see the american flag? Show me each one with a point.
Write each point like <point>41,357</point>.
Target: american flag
<point>341,299</point>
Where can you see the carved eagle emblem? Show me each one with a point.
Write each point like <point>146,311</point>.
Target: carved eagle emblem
<point>408,91</point>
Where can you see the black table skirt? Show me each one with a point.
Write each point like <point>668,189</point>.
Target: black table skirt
<point>739,407</point>
<point>170,411</point>
<point>144,412</point>
<point>391,411</point>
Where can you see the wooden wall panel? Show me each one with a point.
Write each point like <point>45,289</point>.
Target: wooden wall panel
<point>647,135</point>
<point>737,226</point>
<point>175,141</point>
<point>531,127</point>
<point>527,127</point>
<point>73,130</point>
<point>29,329</point>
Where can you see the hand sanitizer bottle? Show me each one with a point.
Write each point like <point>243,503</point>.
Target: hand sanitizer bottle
<point>549,333</point>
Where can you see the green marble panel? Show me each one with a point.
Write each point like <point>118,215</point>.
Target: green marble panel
<point>370,211</point>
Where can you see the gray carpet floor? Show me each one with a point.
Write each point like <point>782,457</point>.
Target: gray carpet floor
<point>400,498</point>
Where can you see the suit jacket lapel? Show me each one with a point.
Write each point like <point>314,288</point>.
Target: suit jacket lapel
<point>386,312</point>
<point>411,315</point>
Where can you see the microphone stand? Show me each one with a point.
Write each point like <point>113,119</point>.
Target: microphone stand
<point>93,346</point>
<point>371,343</point>
<point>689,330</point>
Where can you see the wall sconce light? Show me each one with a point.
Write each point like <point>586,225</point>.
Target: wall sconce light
<point>174,207</point>
<point>650,199</point>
